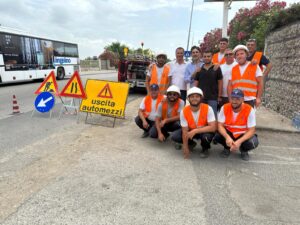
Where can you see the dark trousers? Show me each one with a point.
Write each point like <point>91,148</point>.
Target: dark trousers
<point>205,138</point>
<point>169,127</point>
<point>251,103</point>
<point>183,95</point>
<point>139,123</point>
<point>213,104</point>
<point>246,146</point>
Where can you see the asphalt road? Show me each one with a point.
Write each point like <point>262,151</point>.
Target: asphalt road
<point>62,172</point>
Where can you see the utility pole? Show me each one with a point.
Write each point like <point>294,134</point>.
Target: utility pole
<point>191,17</point>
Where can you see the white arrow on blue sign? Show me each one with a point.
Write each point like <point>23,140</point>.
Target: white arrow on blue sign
<point>187,54</point>
<point>44,102</point>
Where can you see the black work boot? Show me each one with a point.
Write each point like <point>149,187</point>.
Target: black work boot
<point>204,153</point>
<point>245,156</point>
<point>225,153</point>
<point>145,134</point>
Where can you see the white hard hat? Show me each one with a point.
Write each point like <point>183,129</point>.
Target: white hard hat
<point>194,90</point>
<point>161,53</point>
<point>173,88</point>
<point>240,47</point>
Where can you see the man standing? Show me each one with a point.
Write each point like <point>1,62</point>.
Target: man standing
<point>226,69</point>
<point>209,80</point>
<point>218,58</point>
<point>159,73</point>
<point>147,111</point>
<point>247,77</point>
<point>258,58</point>
<point>167,116</point>
<point>236,126</point>
<point>177,72</point>
<point>193,67</point>
<point>198,122</point>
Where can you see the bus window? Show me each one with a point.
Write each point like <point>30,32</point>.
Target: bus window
<point>71,50</point>
<point>59,49</point>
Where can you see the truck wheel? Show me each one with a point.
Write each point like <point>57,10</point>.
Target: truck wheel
<point>60,73</point>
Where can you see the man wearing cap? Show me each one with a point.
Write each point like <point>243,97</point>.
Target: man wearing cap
<point>247,77</point>
<point>198,122</point>
<point>218,58</point>
<point>167,116</point>
<point>236,126</point>
<point>159,73</point>
<point>147,111</point>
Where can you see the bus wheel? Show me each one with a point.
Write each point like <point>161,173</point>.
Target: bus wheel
<point>60,73</point>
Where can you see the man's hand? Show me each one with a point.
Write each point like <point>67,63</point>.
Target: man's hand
<point>219,99</point>
<point>235,146</point>
<point>145,125</point>
<point>257,102</point>
<point>191,134</point>
<point>186,152</point>
<point>216,66</point>
<point>161,137</point>
<point>162,123</point>
<point>197,70</point>
<point>229,141</point>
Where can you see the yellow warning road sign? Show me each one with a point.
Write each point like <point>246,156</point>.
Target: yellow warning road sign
<point>48,85</point>
<point>105,97</point>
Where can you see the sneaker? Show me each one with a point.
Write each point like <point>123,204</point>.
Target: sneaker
<point>245,156</point>
<point>145,134</point>
<point>177,146</point>
<point>204,153</point>
<point>225,153</point>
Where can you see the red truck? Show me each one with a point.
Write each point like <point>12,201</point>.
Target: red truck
<point>133,69</point>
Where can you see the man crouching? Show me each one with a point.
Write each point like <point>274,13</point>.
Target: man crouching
<point>167,117</point>
<point>198,122</point>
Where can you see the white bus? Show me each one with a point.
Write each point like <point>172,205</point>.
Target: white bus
<point>26,57</point>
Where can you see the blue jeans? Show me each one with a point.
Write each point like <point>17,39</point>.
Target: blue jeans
<point>213,104</point>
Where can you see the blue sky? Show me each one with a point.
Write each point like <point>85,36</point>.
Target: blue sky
<point>161,24</point>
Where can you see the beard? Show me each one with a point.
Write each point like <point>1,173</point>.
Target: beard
<point>172,99</point>
<point>236,106</point>
<point>195,104</point>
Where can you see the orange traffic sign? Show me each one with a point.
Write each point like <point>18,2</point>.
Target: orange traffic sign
<point>48,85</point>
<point>74,87</point>
<point>105,92</point>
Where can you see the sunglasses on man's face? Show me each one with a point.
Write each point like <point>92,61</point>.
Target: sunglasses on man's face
<point>228,54</point>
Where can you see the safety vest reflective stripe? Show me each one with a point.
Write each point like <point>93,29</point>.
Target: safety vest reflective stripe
<point>215,59</point>
<point>148,104</point>
<point>165,106</point>
<point>163,85</point>
<point>247,82</point>
<point>238,125</point>
<point>244,81</point>
<point>202,119</point>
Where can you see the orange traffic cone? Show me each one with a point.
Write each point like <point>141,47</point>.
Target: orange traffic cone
<point>15,105</point>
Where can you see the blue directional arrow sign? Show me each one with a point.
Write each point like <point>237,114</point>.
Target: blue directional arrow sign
<point>187,54</point>
<point>44,102</point>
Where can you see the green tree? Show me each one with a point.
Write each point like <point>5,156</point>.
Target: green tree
<point>117,48</point>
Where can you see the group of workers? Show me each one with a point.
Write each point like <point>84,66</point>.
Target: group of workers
<point>212,99</point>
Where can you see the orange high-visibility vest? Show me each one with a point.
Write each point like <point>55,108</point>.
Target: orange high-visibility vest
<point>215,59</point>
<point>165,106</point>
<point>239,126</point>
<point>148,104</point>
<point>202,119</point>
<point>163,85</point>
<point>257,56</point>
<point>247,82</point>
